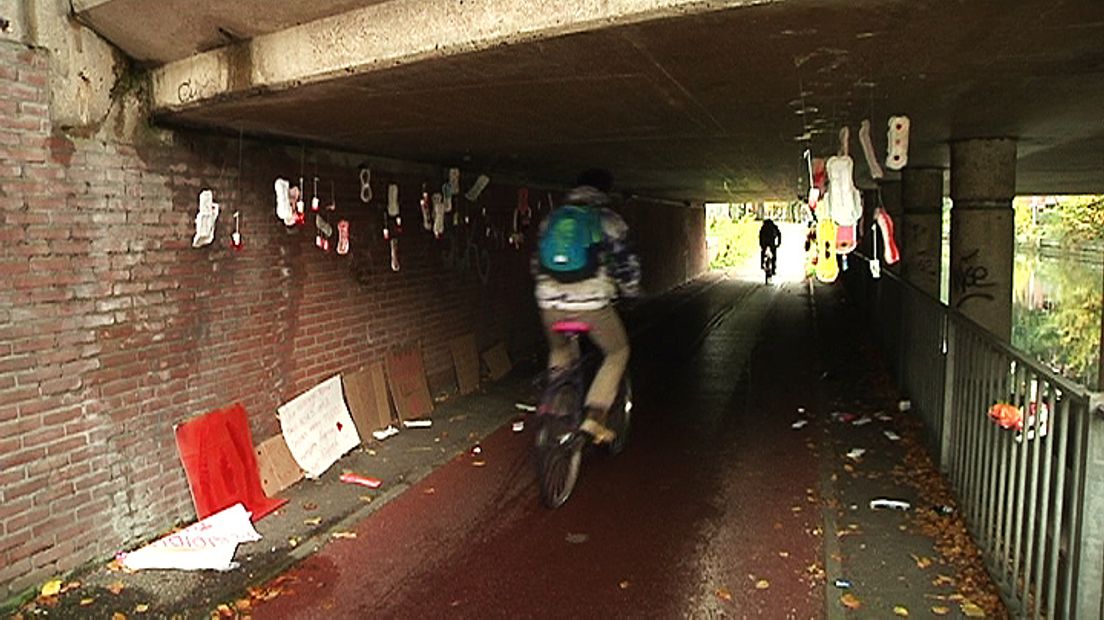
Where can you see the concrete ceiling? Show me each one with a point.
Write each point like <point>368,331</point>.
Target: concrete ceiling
<point>704,104</point>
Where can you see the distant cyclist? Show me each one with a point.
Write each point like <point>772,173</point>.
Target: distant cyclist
<point>583,262</point>
<point>769,237</point>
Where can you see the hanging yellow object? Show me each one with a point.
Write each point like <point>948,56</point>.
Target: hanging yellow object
<point>827,269</point>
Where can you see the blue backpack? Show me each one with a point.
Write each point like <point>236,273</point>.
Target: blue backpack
<point>572,239</point>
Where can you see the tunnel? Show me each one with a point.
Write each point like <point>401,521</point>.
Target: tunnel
<point>322,142</point>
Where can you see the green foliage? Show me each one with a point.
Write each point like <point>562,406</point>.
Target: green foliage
<point>1075,220</point>
<point>735,240</point>
<point>1064,330</point>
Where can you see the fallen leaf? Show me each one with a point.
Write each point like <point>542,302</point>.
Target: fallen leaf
<point>118,616</point>
<point>312,521</point>
<point>850,601</point>
<point>141,608</point>
<point>900,610</point>
<point>85,602</point>
<point>116,587</point>
<point>344,534</point>
<point>942,580</point>
<point>940,610</point>
<point>51,588</point>
<point>293,541</point>
<point>921,562</point>
<point>243,604</point>
<point>624,585</point>
<point>224,611</point>
<point>479,463</point>
<point>724,595</point>
<point>367,499</point>
<point>783,554</point>
<point>971,610</point>
<point>310,506</point>
<point>72,585</point>
<point>762,584</point>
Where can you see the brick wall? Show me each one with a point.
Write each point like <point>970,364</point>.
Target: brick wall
<point>113,328</point>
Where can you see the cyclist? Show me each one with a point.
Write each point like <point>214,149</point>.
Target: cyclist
<point>769,237</point>
<point>583,261</point>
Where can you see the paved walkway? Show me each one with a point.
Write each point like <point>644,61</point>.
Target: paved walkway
<point>717,508</point>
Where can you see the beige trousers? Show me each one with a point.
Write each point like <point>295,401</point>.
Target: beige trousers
<point>608,333</point>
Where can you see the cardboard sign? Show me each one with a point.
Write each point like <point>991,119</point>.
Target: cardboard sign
<point>366,392</point>
<point>465,358</point>
<point>317,427</point>
<point>208,544</point>
<point>497,361</point>
<point>217,452</point>
<point>277,467</point>
<point>406,378</point>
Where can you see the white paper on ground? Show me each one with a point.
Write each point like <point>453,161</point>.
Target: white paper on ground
<point>317,427</point>
<point>206,544</point>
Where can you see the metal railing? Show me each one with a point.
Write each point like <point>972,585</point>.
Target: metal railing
<point>1033,497</point>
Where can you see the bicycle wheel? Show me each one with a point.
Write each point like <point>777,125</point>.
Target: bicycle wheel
<point>620,418</point>
<point>559,448</point>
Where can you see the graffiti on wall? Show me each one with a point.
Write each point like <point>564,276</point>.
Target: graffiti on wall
<point>971,279</point>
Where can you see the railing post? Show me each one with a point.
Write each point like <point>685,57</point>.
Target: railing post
<point>1089,573</point>
<point>948,395</point>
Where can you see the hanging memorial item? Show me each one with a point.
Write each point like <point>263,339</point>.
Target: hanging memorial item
<point>898,140</point>
<point>365,185</point>
<point>868,151</point>
<point>205,219</point>
<point>285,209</point>
<point>477,188</point>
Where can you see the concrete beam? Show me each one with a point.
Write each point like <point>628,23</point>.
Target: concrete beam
<point>391,34</point>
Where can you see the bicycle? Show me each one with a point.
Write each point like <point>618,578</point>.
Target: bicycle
<point>768,263</point>
<point>559,442</point>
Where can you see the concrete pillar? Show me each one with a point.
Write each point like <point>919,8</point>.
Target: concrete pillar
<point>983,183</point>
<point>921,229</point>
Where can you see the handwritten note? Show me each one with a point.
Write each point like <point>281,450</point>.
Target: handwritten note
<point>317,427</point>
<point>208,544</point>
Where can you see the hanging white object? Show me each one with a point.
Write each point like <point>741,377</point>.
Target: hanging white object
<point>898,140</point>
<point>844,201</point>
<point>235,237</point>
<point>875,268</point>
<point>393,200</point>
<point>454,181</point>
<point>477,188</point>
<point>427,210</point>
<point>438,215</point>
<point>394,254</point>
<point>868,151</point>
<point>446,194</point>
<point>844,142</point>
<point>284,210</point>
<point>365,185</point>
<point>205,219</point>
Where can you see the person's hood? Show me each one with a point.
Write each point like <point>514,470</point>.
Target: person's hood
<point>586,195</point>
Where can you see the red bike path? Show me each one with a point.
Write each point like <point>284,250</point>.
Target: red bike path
<point>709,511</point>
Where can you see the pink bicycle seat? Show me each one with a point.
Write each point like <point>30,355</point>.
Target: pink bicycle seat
<point>570,327</point>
